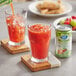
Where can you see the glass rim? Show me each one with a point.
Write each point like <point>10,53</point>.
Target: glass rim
<point>50,25</point>
<point>9,12</point>
<point>49,29</point>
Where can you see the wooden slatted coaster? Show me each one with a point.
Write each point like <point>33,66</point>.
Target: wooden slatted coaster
<point>14,49</point>
<point>52,63</point>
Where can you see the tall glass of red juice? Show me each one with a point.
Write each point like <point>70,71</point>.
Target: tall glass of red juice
<point>16,26</point>
<point>39,37</point>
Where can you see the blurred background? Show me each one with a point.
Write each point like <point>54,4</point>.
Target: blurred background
<point>36,0</point>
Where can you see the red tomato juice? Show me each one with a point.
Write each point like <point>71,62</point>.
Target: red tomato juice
<point>15,29</point>
<point>39,37</point>
<point>15,24</point>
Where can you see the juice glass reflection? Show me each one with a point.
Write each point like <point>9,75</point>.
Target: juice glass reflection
<point>39,37</point>
<point>16,27</point>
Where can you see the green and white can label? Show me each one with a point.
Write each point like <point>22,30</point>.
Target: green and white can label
<point>63,42</point>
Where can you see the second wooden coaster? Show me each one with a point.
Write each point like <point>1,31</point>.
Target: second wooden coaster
<point>52,63</point>
<point>14,49</point>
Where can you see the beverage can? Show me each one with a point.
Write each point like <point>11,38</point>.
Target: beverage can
<point>63,41</point>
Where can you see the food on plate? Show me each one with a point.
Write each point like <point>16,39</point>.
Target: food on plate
<point>49,7</point>
<point>60,10</point>
<point>73,22</point>
<point>44,11</point>
<point>69,21</point>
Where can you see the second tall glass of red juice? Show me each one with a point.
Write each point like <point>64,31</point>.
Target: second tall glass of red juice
<point>39,37</point>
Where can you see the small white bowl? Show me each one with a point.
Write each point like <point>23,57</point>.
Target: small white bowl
<point>58,20</point>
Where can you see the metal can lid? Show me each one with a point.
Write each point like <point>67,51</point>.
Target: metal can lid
<point>64,28</point>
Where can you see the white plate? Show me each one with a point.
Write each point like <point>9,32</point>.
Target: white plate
<point>58,20</point>
<point>33,9</point>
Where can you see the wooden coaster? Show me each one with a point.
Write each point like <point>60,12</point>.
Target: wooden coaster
<point>52,63</point>
<point>14,49</point>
